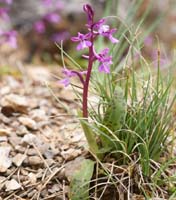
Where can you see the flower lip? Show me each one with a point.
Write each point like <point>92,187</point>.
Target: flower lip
<point>83,40</point>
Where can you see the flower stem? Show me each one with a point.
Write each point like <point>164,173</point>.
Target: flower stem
<point>86,83</point>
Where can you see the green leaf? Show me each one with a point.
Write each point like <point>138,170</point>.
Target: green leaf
<point>80,181</point>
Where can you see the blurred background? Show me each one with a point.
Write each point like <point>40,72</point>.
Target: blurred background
<point>30,29</point>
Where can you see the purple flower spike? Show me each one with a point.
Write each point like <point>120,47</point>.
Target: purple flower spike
<point>7,1</point>
<point>83,41</point>
<point>39,27</point>
<point>9,37</point>
<point>90,13</point>
<point>52,17</point>
<point>47,2</point>
<point>57,37</point>
<point>4,13</point>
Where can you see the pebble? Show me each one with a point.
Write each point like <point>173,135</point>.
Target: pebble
<point>22,130</point>
<point>5,161</point>
<point>31,152</point>
<point>28,122</point>
<point>32,178</point>
<point>17,102</point>
<point>18,159</point>
<point>14,140</point>
<point>38,115</point>
<point>12,185</point>
<point>35,160</point>
<point>3,138</point>
<point>4,132</point>
<point>71,153</point>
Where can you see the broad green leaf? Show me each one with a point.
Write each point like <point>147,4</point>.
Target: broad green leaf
<point>80,181</point>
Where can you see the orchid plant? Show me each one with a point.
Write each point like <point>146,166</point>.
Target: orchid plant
<point>7,36</point>
<point>87,41</point>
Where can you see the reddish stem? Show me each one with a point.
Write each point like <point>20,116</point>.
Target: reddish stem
<point>86,83</point>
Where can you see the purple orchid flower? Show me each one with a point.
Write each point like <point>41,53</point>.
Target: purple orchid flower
<point>105,60</point>
<point>65,82</point>
<point>52,17</point>
<point>4,13</point>
<point>47,2</point>
<point>39,26</point>
<point>71,73</point>
<point>68,74</point>
<point>83,40</point>
<point>58,4</point>
<point>105,31</point>
<point>148,41</point>
<point>7,1</point>
<point>9,37</point>
<point>57,37</point>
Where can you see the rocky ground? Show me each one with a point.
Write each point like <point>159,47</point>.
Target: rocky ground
<point>39,140</point>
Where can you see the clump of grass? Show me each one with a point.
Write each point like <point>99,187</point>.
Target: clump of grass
<point>141,144</point>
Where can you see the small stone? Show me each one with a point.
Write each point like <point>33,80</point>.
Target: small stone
<point>20,149</point>
<point>4,132</point>
<point>12,185</point>
<point>38,115</point>
<point>35,160</point>
<point>5,161</point>
<point>3,138</point>
<point>22,130</point>
<point>14,140</point>
<point>49,161</point>
<point>30,138</point>
<point>32,178</point>
<point>5,90</point>
<point>18,159</point>
<point>24,172</point>
<point>31,152</point>
<point>39,173</point>
<point>16,102</point>
<point>29,123</point>
<point>71,153</point>
<point>55,188</point>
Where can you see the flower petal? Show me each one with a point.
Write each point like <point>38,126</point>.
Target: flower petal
<point>65,81</point>
<point>113,39</point>
<point>104,68</point>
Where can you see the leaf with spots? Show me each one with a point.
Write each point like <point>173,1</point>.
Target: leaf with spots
<point>80,181</point>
